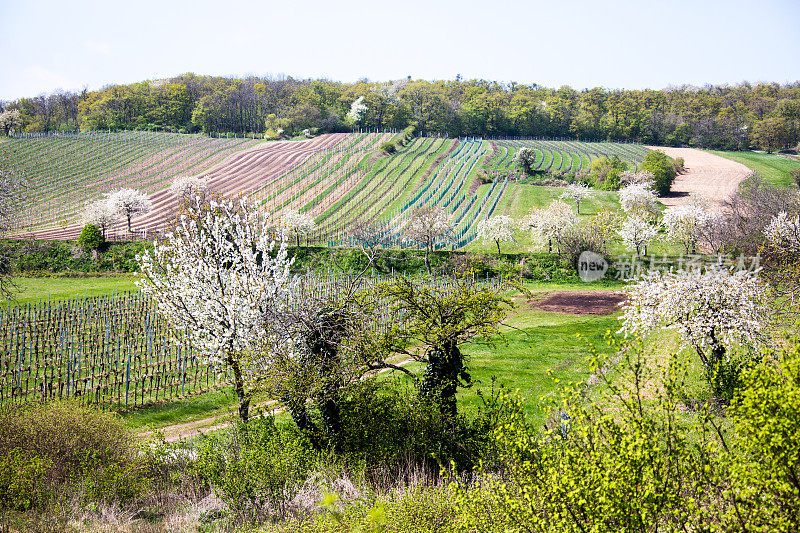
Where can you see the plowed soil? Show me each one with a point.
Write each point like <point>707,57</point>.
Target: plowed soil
<point>581,302</point>
<point>239,173</point>
<point>707,175</point>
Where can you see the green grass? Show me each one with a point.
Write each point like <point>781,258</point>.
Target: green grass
<point>540,352</point>
<point>774,168</point>
<point>32,290</point>
<point>152,417</point>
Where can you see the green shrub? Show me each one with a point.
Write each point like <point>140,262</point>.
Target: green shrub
<point>91,238</point>
<point>65,444</point>
<point>255,467</point>
<point>661,166</point>
<point>764,493</point>
<point>385,428</point>
<point>388,147</point>
<point>605,172</point>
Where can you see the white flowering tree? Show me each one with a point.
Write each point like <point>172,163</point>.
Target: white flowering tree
<point>644,177</point>
<point>186,188</point>
<point>781,255</point>
<point>684,223</point>
<point>550,224</point>
<point>638,199</point>
<point>714,310</point>
<point>784,231</point>
<point>427,227</point>
<point>499,229</point>
<point>217,274</point>
<point>100,213</point>
<point>129,203</point>
<point>636,233</point>
<point>576,192</point>
<point>295,223</point>
<point>525,159</point>
<point>356,113</point>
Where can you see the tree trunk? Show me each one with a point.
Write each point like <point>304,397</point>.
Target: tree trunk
<point>238,384</point>
<point>498,246</point>
<point>130,230</point>
<point>427,260</point>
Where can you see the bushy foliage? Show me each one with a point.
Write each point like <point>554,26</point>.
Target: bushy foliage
<point>525,159</point>
<point>388,147</point>
<point>91,238</point>
<point>47,448</point>
<point>255,467</point>
<point>660,165</point>
<point>630,459</point>
<point>606,172</point>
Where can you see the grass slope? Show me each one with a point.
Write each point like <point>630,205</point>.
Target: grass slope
<point>774,168</point>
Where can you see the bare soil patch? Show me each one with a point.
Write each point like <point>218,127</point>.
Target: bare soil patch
<point>707,175</point>
<point>581,302</point>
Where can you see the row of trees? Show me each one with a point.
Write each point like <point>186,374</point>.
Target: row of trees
<point>733,117</point>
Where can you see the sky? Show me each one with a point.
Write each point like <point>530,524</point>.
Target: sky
<point>49,45</point>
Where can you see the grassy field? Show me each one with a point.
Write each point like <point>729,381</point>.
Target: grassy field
<point>32,290</point>
<point>774,168</point>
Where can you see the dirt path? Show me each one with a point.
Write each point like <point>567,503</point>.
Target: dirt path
<point>707,175</point>
<point>187,430</point>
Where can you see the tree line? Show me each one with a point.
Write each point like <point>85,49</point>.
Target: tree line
<point>764,115</point>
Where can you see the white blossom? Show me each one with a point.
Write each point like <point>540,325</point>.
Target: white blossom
<point>215,274</point>
<point>685,222</point>
<point>499,229</point>
<point>293,222</point>
<point>577,192</point>
<point>711,309</point>
<point>128,203</point>
<point>636,232</point>
<point>551,223</point>
<point>638,199</point>
<point>784,231</point>
<point>357,110</point>
<point>187,187</point>
<point>100,213</point>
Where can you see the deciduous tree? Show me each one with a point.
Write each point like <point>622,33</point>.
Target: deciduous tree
<point>217,273</point>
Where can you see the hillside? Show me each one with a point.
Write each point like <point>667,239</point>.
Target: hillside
<point>337,178</point>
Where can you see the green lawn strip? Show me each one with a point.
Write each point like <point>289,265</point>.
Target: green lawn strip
<point>215,403</point>
<point>774,168</point>
<point>32,290</point>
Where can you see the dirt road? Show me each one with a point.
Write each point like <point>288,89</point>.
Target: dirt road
<point>707,175</point>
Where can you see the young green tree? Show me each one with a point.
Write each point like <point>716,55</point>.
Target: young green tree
<point>431,322</point>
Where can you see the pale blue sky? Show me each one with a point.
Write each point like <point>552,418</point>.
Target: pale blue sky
<point>67,44</point>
